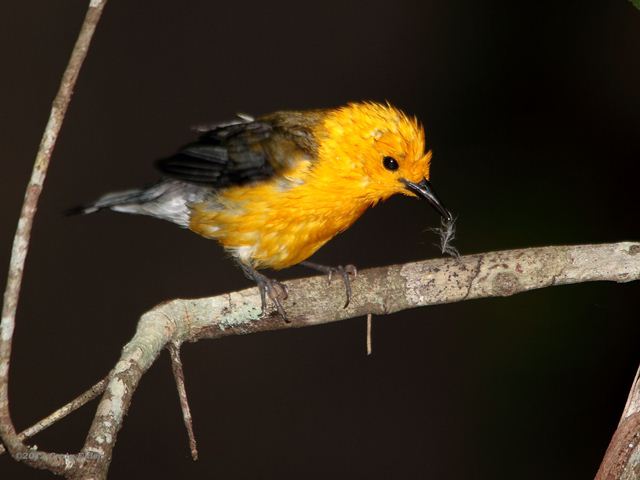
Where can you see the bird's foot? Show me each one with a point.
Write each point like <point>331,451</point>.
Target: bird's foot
<point>275,290</point>
<point>347,273</point>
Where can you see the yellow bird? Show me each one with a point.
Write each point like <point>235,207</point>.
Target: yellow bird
<point>274,189</point>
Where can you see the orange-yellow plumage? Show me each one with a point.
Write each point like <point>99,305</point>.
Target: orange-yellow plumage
<point>283,220</point>
<point>275,189</point>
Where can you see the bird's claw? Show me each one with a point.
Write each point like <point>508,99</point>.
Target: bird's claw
<point>347,273</point>
<point>277,292</point>
<point>268,287</point>
<point>349,270</point>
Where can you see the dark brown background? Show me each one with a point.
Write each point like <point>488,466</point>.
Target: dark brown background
<point>533,113</point>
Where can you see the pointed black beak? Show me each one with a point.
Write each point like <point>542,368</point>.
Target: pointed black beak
<point>425,191</point>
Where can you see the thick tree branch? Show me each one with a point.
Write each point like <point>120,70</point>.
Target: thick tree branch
<point>13,442</point>
<point>312,302</point>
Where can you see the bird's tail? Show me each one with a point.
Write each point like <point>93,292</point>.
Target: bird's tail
<point>108,201</point>
<point>168,200</point>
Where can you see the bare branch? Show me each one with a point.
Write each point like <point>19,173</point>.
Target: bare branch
<point>312,302</point>
<point>178,375</point>
<point>62,412</point>
<point>54,462</point>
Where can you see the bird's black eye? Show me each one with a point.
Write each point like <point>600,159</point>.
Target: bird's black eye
<point>390,163</point>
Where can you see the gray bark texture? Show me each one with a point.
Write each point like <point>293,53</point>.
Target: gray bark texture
<point>312,301</point>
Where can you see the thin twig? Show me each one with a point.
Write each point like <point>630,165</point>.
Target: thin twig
<point>369,333</point>
<point>178,374</point>
<point>20,247</point>
<point>62,412</point>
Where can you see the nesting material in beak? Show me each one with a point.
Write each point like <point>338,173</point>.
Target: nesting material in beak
<point>447,229</point>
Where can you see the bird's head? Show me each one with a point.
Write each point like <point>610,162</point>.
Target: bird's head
<point>380,150</point>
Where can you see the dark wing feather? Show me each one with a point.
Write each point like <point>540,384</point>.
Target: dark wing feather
<point>236,154</point>
<point>224,156</point>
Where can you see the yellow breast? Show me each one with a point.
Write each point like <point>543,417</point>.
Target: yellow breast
<point>280,222</point>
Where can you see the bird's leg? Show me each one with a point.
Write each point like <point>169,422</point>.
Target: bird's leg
<point>275,290</point>
<point>346,273</point>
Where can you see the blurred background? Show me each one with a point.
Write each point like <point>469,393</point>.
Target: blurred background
<point>533,114</point>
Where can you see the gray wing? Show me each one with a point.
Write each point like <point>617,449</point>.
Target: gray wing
<point>240,153</point>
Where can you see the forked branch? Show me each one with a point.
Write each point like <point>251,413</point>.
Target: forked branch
<point>14,443</point>
<point>378,291</point>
